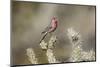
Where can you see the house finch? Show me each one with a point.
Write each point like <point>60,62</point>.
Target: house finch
<point>50,28</point>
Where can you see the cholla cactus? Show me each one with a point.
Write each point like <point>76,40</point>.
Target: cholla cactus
<point>52,40</point>
<point>74,37</point>
<point>78,54</point>
<point>49,53</point>
<point>43,44</point>
<point>31,56</point>
<point>51,57</point>
<point>88,56</point>
<point>49,49</point>
<point>75,40</point>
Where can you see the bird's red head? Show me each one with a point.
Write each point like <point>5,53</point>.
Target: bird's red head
<point>53,18</point>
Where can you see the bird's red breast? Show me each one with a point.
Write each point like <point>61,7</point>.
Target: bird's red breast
<point>54,23</point>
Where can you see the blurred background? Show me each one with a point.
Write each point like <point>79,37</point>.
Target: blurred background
<point>29,19</point>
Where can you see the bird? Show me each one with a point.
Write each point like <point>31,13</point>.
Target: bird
<point>50,28</point>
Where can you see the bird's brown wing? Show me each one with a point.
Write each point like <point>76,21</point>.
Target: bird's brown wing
<point>46,29</point>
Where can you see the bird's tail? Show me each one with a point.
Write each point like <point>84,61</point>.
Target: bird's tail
<point>43,36</point>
